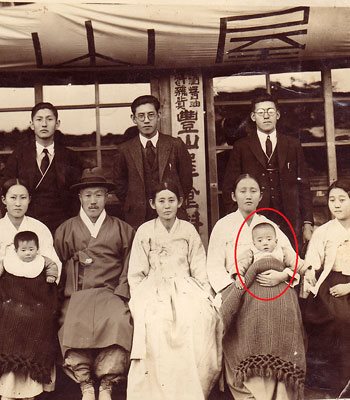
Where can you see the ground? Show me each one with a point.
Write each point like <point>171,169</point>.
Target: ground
<point>68,390</point>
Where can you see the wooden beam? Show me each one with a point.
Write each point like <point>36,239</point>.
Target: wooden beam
<point>37,49</point>
<point>151,46</point>
<point>91,42</point>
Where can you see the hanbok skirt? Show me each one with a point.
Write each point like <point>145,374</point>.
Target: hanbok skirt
<point>177,351</point>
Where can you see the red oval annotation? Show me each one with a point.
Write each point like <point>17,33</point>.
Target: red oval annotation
<point>296,258</point>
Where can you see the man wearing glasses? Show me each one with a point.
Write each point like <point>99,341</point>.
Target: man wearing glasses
<point>277,161</point>
<point>147,159</point>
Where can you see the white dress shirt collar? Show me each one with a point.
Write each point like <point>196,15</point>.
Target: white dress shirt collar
<point>144,140</point>
<point>262,138</point>
<point>40,148</point>
<point>93,228</point>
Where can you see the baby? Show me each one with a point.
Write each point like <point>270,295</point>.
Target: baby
<point>26,245</point>
<point>265,244</point>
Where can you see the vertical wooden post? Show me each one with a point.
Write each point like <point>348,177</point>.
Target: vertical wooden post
<point>160,88</point>
<point>329,124</point>
<point>268,82</point>
<point>98,125</point>
<point>211,152</point>
<point>38,93</point>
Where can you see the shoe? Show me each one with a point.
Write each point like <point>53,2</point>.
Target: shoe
<point>88,391</point>
<point>105,390</point>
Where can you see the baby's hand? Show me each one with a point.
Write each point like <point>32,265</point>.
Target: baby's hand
<point>50,279</point>
<point>238,283</point>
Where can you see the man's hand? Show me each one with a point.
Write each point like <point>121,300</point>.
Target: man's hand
<point>271,277</point>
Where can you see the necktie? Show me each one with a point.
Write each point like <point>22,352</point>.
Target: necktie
<point>150,153</point>
<point>45,162</point>
<point>268,146</point>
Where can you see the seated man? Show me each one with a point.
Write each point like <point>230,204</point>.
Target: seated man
<point>95,328</point>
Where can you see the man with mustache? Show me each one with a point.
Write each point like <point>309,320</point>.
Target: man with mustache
<point>47,166</point>
<point>95,328</point>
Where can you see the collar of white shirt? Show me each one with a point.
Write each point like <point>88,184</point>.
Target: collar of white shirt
<point>40,148</point>
<point>93,228</point>
<point>262,138</point>
<point>144,140</point>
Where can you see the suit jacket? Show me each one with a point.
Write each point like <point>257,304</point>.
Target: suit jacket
<point>22,164</point>
<point>174,162</point>
<point>247,156</point>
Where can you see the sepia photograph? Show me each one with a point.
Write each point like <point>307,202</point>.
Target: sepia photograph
<point>175,200</point>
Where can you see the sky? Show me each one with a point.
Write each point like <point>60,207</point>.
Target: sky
<point>116,120</point>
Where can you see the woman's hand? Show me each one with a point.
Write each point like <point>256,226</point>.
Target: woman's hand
<point>271,277</point>
<point>310,277</point>
<point>340,290</point>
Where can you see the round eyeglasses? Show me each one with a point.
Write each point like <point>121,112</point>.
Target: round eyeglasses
<point>142,116</point>
<point>261,112</point>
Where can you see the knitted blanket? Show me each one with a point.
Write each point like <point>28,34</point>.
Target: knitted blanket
<point>28,326</point>
<point>264,338</point>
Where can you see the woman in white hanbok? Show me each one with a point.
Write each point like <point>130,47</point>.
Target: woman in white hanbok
<point>176,351</point>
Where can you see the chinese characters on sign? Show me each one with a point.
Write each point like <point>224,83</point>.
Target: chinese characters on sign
<point>187,114</point>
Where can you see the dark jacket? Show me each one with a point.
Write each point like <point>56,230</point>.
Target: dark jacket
<point>247,156</point>
<point>174,162</point>
<point>22,164</point>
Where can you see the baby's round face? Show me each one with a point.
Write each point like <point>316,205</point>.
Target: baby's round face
<point>264,238</point>
<point>27,250</point>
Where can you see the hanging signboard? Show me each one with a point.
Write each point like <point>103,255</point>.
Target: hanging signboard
<point>187,115</point>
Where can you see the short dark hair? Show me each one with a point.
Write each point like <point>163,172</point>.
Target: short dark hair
<point>25,236</point>
<point>166,185</point>
<point>12,182</point>
<point>263,225</point>
<point>41,106</point>
<point>261,96</point>
<point>146,99</point>
<point>341,183</point>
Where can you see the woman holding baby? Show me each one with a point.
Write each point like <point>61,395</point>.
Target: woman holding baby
<point>264,355</point>
<point>28,298</point>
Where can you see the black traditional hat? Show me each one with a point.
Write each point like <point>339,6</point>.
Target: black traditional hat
<point>93,177</point>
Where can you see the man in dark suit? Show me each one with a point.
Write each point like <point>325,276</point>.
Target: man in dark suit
<point>48,168</point>
<point>277,161</point>
<point>147,159</point>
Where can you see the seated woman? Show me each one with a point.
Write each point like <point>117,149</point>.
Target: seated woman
<point>264,354</point>
<point>27,305</point>
<point>176,352</point>
<point>327,312</point>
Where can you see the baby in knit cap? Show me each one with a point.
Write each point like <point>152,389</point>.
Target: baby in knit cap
<point>26,261</point>
<point>265,244</point>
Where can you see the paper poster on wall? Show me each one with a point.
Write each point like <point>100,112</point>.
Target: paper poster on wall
<point>187,115</point>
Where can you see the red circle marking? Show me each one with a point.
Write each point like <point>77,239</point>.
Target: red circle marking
<point>296,258</point>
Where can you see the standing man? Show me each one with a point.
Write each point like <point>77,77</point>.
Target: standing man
<point>96,331</point>
<point>48,168</point>
<point>277,161</point>
<point>147,159</point>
